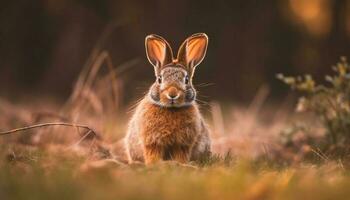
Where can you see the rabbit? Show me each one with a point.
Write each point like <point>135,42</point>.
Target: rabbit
<point>167,123</point>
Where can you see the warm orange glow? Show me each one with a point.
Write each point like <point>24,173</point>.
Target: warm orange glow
<point>196,49</point>
<point>313,15</point>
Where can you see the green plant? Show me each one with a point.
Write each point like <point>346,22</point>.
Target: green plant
<point>330,102</point>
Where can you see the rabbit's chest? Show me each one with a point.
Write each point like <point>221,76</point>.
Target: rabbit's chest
<point>168,127</point>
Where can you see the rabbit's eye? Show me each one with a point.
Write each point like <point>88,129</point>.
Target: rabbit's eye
<point>186,80</point>
<point>159,79</point>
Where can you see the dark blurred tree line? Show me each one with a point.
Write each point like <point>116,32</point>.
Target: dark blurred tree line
<point>45,43</point>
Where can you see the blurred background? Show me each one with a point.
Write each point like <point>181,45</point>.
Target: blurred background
<point>44,44</point>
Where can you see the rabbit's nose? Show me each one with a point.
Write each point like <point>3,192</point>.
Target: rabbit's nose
<point>173,93</point>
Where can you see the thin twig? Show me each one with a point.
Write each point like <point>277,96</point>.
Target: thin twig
<point>47,124</point>
<point>319,155</point>
<point>82,139</point>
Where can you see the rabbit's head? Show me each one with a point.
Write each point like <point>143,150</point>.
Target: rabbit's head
<point>173,86</point>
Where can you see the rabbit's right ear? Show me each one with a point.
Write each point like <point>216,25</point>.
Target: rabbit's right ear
<point>158,50</point>
<point>192,51</point>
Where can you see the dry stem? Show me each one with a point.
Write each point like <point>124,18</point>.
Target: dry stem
<point>49,124</point>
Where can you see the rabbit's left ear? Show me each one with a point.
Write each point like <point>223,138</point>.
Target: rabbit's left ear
<point>193,50</point>
<point>158,51</point>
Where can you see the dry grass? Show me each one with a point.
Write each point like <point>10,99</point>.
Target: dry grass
<point>57,162</point>
<point>56,174</point>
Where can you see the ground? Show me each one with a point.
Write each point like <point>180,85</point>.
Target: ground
<point>53,163</point>
<point>57,174</point>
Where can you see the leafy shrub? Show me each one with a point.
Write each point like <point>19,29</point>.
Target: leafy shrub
<point>330,103</point>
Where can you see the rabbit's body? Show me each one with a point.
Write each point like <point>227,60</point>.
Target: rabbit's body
<point>167,133</point>
<point>167,124</point>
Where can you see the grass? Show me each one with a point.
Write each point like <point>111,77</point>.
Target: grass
<point>249,161</point>
<point>54,169</point>
<point>40,174</point>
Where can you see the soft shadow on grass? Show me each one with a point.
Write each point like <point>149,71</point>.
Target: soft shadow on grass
<point>39,174</point>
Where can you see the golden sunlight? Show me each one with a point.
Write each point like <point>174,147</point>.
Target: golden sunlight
<point>313,15</point>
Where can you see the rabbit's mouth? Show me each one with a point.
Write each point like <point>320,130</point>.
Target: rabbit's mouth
<point>172,97</point>
<point>171,102</point>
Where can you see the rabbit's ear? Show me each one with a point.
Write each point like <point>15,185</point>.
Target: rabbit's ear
<point>193,50</point>
<point>158,50</point>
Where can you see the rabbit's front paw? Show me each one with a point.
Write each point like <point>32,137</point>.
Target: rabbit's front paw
<point>181,154</point>
<point>152,154</point>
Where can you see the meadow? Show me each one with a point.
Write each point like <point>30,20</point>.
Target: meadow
<point>74,150</point>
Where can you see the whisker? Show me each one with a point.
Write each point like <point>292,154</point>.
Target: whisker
<point>204,84</point>
<point>134,105</point>
<point>201,95</point>
<point>205,106</point>
<point>201,102</point>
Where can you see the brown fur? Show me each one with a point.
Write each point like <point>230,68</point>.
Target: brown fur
<point>167,124</point>
<point>166,134</point>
